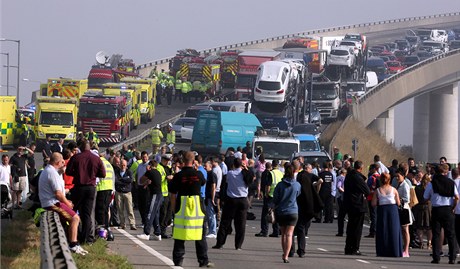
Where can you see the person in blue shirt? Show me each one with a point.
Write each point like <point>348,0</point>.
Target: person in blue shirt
<point>286,210</point>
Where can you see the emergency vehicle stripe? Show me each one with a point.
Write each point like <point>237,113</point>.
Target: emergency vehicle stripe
<point>184,70</point>
<point>207,72</point>
<point>6,128</point>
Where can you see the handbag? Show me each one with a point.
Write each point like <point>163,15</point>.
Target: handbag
<point>404,214</point>
<point>270,217</point>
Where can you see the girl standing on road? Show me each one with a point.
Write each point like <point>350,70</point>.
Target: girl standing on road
<point>388,239</point>
<point>286,210</point>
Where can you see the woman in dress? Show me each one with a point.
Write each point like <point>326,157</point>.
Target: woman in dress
<point>403,188</point>
<point>388,239</point>
<point>422,212</point>
<point>286,210</point>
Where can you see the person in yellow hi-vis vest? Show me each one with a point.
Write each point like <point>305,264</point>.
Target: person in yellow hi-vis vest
<point>273,179</point>
<point>189,212</point>
<point>156,135</point>
<point>170,138</point>
<point>104,188</point>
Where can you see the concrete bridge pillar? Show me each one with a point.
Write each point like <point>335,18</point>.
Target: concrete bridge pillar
<point>385,125</point>
<point>443,124</point>
<point>421,127</point>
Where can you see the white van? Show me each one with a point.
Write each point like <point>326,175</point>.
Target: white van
<point>231,106</point>
<point>371,79</point>
<point>272,82</point>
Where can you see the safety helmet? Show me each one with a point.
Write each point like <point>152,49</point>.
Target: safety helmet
<point>157,126</point>
<point>170,125</point>
<point>102,233</point>
<point>110,236</point>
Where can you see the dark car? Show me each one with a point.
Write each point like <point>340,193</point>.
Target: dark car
<point>385,58</point>
<point>454,44</point>
<point>457,33</point>
<point>400,55</point>
<point>414,42</point>
<point>403,44</point>
<point>423,55</point>
<point>410,60</point>
<point>306,128</point>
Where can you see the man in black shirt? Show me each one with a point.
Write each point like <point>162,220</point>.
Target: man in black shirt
<point>152,180</point>
<point>326,192</point>
<point>188,182</point>
<point>18,164</point>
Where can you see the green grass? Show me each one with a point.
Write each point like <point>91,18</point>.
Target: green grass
<point>100,257</point>
<point>20,247</point>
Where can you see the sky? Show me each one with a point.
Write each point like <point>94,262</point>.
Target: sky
<point>60,38</point>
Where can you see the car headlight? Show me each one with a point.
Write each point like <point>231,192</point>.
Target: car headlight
<point>71,136</point>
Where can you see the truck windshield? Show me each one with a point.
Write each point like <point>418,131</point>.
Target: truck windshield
<point>269,85</point>
<point>97,82</point>
<point>309,146</point>
<point>324,92</point>
<point>144,97</point>
<point>355,87</point>
<point>423,32</point>
<point>277,150</point>
<point>56,118</point>
<point>98,111</point>
<point>245,81</point>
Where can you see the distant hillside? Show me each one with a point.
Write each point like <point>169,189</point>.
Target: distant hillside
<point>370,142</point>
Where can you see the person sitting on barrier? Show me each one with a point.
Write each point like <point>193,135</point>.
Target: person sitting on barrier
<point>52,197</point>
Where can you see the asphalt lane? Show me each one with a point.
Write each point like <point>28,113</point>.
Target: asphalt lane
<point>324,250</point>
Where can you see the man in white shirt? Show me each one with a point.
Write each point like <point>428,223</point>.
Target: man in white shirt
<point>5,178</point>
<point>383,168</point>
<point>52,197</point>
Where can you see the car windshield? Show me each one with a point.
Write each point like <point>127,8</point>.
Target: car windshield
<point>355,87</point>
<point>424,32</point>
<point>98,111</point>
<point>309,146</point>
<point>339,52</point>
<point>324,92</point>
<point>352,37</point>
<point>269,85</point>
<point>56,118</point>
<point>411,39</point>
<point>305,129</point>
<point>432,44</point>
<point>277,150</point>
<point>144,97</point>
<point>411,59</point>
<point>393,64</point>
<point>423,54</point>
<point>347,43</point>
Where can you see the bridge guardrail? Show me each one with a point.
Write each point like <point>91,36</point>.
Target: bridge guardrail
<point>54,250</point>
<point>307,33</point>
<point>394,77</point>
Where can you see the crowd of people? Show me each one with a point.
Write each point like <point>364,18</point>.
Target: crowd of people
<point>200,197</point>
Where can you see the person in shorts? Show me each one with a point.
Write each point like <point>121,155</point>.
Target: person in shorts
<point>52,197</point>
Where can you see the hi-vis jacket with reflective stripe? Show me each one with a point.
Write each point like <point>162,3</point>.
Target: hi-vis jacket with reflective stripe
<point>277,175</point>
<point>108,182</point>
<point>188,222</point>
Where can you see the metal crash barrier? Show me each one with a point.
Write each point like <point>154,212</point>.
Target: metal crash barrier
<point>54,250</point>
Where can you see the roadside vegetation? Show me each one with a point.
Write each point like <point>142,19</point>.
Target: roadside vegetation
<point>370,142</point>
<point>20,247</point>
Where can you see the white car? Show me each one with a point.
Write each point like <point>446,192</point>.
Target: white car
<point>272,82</point>
<point>186,133</point>
<point>341,56</point>
<point>355,45</point>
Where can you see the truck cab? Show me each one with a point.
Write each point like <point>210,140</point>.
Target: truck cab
<point>328,99</point>
<point>66,87</point>
<point>275,144</point>
<point>133,94</point>
<point>56,117</point>
<point>148,95</point>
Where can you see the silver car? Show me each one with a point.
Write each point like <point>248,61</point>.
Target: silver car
<point>183,122</point>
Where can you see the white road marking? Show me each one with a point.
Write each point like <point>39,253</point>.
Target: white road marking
<point>322,249</point>
<point>363,261</point>
<point>150,250</point>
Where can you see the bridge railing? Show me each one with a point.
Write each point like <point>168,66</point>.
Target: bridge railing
<point>410,69</point>
<point>54,250</point>
<point>305,33</point>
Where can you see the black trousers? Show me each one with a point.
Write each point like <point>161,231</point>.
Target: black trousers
<point>442,217</point>
<point>201,247</point>
<point>263,221</point>
<point>102,207</point>
<point>169,96</point>
<point>165,214</point>
<point>301,230</point>
<point>143,203</point>
<point>341,216</point>
<point>234,209</point>
<point>84,198</point>
<point>328,210</point>
<point>372,217</point>
<point>354,231</point>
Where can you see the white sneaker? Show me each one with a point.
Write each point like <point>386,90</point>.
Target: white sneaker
<point>211,236</point>
<point>157,237</point>
<point>78,250</point>
<point>143,236</point>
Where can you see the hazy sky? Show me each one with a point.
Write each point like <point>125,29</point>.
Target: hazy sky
<point>61,38</point>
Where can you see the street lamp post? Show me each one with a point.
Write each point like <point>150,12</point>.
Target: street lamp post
<point>19,59</point>
<point>7,72</point>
